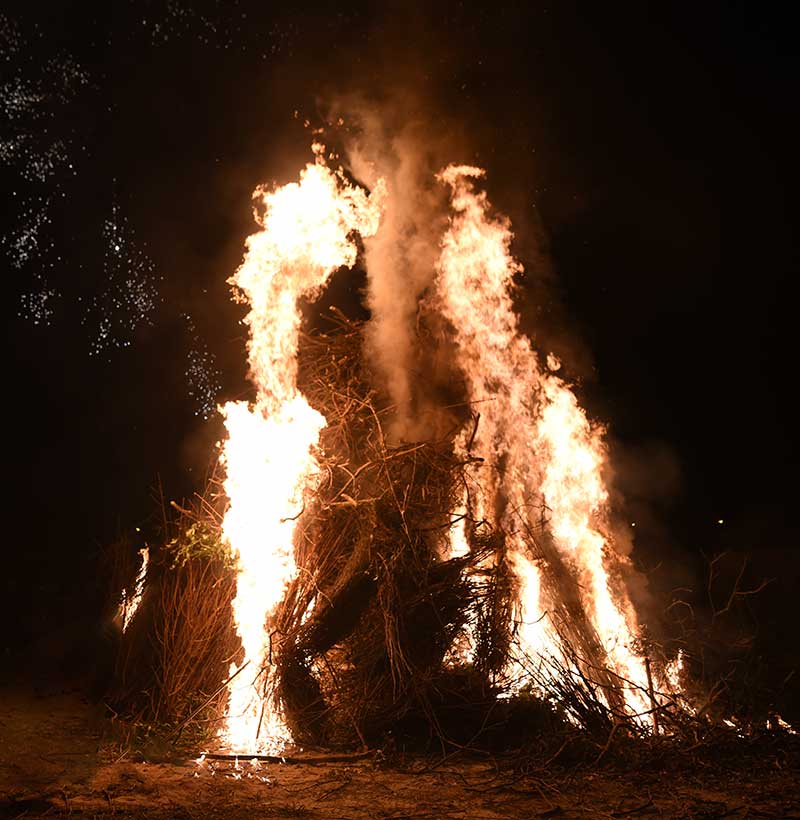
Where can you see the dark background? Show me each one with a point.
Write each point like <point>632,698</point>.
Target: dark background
<point>644,152</point>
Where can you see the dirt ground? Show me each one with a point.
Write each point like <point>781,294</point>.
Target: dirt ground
<point>56,760</point>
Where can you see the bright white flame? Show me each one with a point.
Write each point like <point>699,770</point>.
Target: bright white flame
<point>457,546</point>
<point>306,234</point>
<point>457,534</point>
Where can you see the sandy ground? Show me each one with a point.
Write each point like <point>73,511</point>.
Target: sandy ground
<point>55,761</point>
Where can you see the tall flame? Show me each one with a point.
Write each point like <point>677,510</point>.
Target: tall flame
<point>306,234</point>
<point>545,481</point>
<point>473,288</point>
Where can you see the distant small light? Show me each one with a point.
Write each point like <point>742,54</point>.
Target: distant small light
<point>720,521</point>
<point>633,523</point>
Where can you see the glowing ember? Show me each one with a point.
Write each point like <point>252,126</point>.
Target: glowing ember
<point>306,235</point>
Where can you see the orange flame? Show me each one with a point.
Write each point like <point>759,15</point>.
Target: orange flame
<point>546,459</point>
<point>474,282</point>
<point>131,600</point>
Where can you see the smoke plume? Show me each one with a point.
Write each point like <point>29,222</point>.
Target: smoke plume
<point>386,141</point>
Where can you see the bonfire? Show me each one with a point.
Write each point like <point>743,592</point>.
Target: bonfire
<point>376,557</point>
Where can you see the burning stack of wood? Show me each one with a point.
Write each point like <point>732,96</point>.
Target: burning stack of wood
<point>385,630</point>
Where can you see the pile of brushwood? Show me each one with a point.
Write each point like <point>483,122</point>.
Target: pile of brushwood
<point>368,633</point>
<point>367,646</point>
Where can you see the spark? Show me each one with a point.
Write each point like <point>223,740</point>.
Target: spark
<point>29,240</point>
<point>219,27</point>
<point>131,288</point>
<point>44,91</point>
<point>202,374</point>
<point>38,305</point>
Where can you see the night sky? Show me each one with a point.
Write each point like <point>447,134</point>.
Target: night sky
<point>643,151</point>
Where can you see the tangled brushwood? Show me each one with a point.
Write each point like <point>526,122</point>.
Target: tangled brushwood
<point>367,636</point>
<point>175,654</point>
